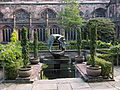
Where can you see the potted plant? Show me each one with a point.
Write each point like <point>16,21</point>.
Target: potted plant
<point>26,70</point>
<point>93,70</point>
<point>35,59</point>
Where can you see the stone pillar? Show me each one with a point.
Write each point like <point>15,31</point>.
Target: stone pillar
<point>30,28</point>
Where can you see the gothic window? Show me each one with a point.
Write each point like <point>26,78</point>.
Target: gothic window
<point>54,30</point>
<point>100,12</point>
<point>48,13</point>
<point>6,32</point>
<point>70,35</point>
<point>22,14</point>
<point>19,33</point>
<point>41,33</point>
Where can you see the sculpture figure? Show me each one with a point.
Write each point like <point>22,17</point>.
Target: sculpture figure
<point>57,39</point>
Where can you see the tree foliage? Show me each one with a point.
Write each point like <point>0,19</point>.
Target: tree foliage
<point>71,20</point>
<point>70,14</point>
<point>105,28</point>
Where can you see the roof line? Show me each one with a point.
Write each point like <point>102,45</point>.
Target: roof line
<point>51,3</point>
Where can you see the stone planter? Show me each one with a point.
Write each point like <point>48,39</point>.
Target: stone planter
<point>34,60</point>
<point>25,72</point>
<point>93,71</point>
<point>79,59</point>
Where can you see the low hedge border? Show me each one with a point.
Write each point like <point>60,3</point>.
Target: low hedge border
<point>105,65</point>
<point>109,57</point>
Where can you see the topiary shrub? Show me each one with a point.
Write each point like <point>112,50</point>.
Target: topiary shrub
<point>25,47</point>
<point>105,65</point>
<point>35,44</point>
<point>14,36</point>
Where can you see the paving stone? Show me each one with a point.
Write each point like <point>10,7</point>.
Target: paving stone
<point>3,87</point>
<point>11,87</point>
<point>23,87</point>
<point>79,85</point>
<point>45,82</point>
<point>45,87</point>
<point>116,84</point>
<point>84,89</point>
<point>102,85</point>
<point>64,87</point>
<point>75,80</point>
<point>106,89</point>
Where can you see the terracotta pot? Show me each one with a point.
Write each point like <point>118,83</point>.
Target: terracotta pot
<point>93,71</point>
<point>25,72</point>
<point>79,59</point>
<point>34,60</point>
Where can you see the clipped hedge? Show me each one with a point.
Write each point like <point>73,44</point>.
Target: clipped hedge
<point>105,65</point>
<point>109,57</point>
<point>101,44</point>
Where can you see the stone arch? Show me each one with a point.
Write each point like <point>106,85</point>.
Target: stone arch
<point>51,13</point>
<point>21,14</point>
<point>6,32</point>
<point>99,12</point>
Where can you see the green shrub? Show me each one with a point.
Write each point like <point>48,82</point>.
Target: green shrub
<point>25,47</point>
<point>41,46</point>
<point>101,44</point>
<point>105,65</point>
<point>72,42</point>
<point>115,49</point>
<point>12,59</point>
<point>35,42</point>
<point>104,56</point>
<point>109,57</point>
<point>105,28</point>
<point>14,36</point>
<point>85,44</point>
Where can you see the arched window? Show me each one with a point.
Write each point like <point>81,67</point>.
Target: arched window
<point>100,12</point>
<point>70,35</point>
<point>54,29</point>
<point>22,16</point>
<point>19,32</point>
<point>48,13</point>
<point>41,33</point>
<point>6,32</point>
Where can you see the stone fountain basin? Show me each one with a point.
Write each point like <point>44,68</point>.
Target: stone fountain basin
<point>52,60</point>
